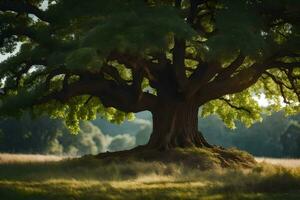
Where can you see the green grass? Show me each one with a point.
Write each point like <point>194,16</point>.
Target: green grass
<point>91,179</point>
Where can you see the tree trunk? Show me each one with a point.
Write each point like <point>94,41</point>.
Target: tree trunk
<point>176,125</point>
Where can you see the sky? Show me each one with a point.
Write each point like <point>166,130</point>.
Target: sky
<point>43,6</point>
<point>3,57</point>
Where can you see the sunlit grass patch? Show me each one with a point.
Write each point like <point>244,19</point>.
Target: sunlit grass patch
<point>28,158</point>
<point>73,189</point>
<point>82,179</point>
<point>281,161</point>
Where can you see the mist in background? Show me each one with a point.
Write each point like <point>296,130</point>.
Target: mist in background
<point>276,136</point>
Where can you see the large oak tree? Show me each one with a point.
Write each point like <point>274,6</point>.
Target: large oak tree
<point>79,59</point>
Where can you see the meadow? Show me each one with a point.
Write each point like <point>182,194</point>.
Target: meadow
<point>38,177</point>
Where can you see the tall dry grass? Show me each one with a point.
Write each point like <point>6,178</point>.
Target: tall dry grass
<point>92,179</point>
<point>280,161</point>
<point>28,158</point>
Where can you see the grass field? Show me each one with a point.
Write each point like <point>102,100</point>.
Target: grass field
<point>291,163</point>
<point>37,177</point>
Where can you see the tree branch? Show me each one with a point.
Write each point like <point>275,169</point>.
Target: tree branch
<point>110,94</point>
<point>278,82</point>
<point>201,76</point>
<point>132,62</point>
<point>178,62</point>
<point>280,64</point>
<point>242,80</point>
<point>114,73</point>
<point>228,102</point>
<point>280,85</point>
<point>292,81</point>
<point>228,71</point>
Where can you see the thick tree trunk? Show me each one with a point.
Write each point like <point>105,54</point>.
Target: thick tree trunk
<point>176,125</point>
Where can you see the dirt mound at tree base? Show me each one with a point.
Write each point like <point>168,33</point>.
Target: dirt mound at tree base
<point>201,158</point>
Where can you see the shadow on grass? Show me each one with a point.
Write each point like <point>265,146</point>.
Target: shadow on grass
<point>83,179</point>
<point>67,190</point>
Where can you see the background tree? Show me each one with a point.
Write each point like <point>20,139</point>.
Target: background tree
<point>290,140</point>
<point>50,136</point>
<point>82,58</point>
<point>26,136</point>
<point>276,136</point>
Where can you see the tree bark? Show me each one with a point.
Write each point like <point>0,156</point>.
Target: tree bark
<point>176,125</point>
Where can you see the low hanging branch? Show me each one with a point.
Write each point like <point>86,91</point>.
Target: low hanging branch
<point>109,92</point>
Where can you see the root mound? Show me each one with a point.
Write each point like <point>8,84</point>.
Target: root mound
<point>201,158</point>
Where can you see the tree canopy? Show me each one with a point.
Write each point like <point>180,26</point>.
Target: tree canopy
<point>79,59</point>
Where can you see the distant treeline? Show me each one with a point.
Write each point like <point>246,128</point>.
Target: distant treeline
<point>276,136</point>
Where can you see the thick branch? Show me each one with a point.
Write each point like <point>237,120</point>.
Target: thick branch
<point>110,94</point>
<point>179,56</point>
<point>178,62</point>
<point>193,11</point>
<point>280,64</point>
<point>138,75</point>
<point>202,75</point>
<point>241,81</point>
<point>114,73</point>
<point>228,71</point>
<point>132,62</point>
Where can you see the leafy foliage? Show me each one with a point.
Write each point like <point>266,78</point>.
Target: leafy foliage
<point>79,59</point>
